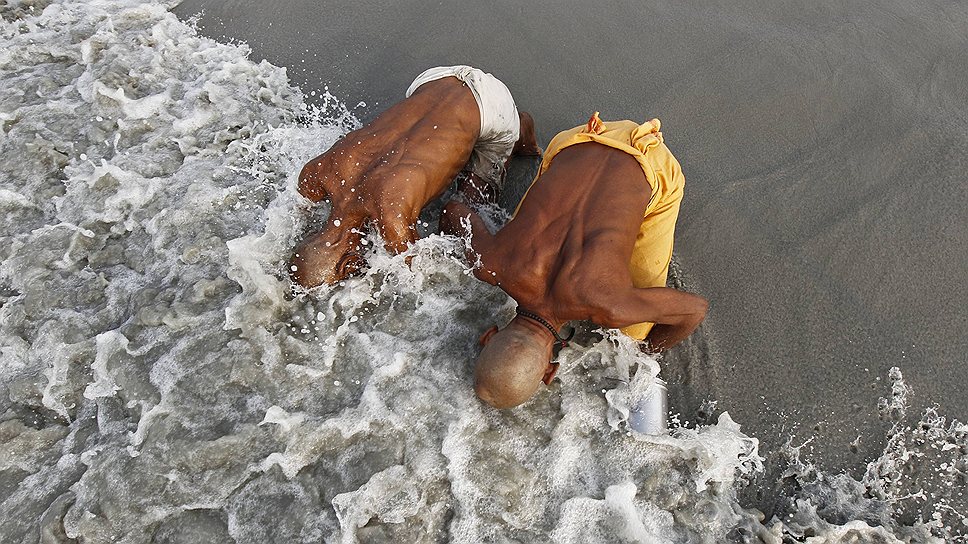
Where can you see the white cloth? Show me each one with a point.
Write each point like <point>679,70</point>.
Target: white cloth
<point>500,125</point>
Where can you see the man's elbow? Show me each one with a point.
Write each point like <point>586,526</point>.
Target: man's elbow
<point>309,184</point>
<point>702,307</point>
<point>694,314</point>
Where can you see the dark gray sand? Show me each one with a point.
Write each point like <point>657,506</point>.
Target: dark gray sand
<point>824,146</point>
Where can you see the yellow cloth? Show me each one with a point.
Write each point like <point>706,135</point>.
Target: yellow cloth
<point>652,254</point>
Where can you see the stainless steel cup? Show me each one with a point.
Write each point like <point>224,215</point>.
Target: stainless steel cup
<point>650,415</point>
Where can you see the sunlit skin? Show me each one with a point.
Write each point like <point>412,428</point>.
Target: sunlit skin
<point>383,174</point>
<point>565,256</point>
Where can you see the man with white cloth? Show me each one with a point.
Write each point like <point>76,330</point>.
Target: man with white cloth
<point>383,174</point>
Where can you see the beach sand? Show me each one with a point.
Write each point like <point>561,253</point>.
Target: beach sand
<point>824,150</point>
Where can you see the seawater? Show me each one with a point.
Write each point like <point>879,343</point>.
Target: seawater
<point>161,381</point>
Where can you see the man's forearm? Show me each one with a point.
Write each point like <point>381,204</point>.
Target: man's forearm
<point>683,312</point>
<point>663,337</point>
<point>476,190</point>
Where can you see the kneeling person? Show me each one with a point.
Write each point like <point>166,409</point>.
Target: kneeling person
<point>383,174</point>
<point>591,240</point>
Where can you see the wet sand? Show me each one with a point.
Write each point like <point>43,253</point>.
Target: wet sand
<point>824,148</point>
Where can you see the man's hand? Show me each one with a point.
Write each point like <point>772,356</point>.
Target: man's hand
<point>454,221</point>
<point>663,336</point>
<point>450,219</point>
<point>310,183</point>
<point>477,190</point>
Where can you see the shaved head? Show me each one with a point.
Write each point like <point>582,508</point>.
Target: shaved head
<point>511,366</point>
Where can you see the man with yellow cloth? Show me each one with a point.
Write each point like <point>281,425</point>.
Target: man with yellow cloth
<point>591,240</point>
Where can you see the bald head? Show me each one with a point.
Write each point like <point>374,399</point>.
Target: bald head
<point>511,366</point>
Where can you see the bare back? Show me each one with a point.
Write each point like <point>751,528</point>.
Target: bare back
<point>573,235</point>
<point>567,255</point>
<point>391,168</point>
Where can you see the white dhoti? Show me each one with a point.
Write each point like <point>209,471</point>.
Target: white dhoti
<point>500,125</point>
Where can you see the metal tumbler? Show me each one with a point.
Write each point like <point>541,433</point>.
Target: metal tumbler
<point>650,414</point>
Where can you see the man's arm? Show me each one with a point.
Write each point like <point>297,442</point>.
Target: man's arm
<point>676,314</point>
<point>452,221</point>
<point>527,144</point>
<point>477,190</point>
<point>311,180</point>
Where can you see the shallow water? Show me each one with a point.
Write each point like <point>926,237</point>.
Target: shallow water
<point>161,381</point>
